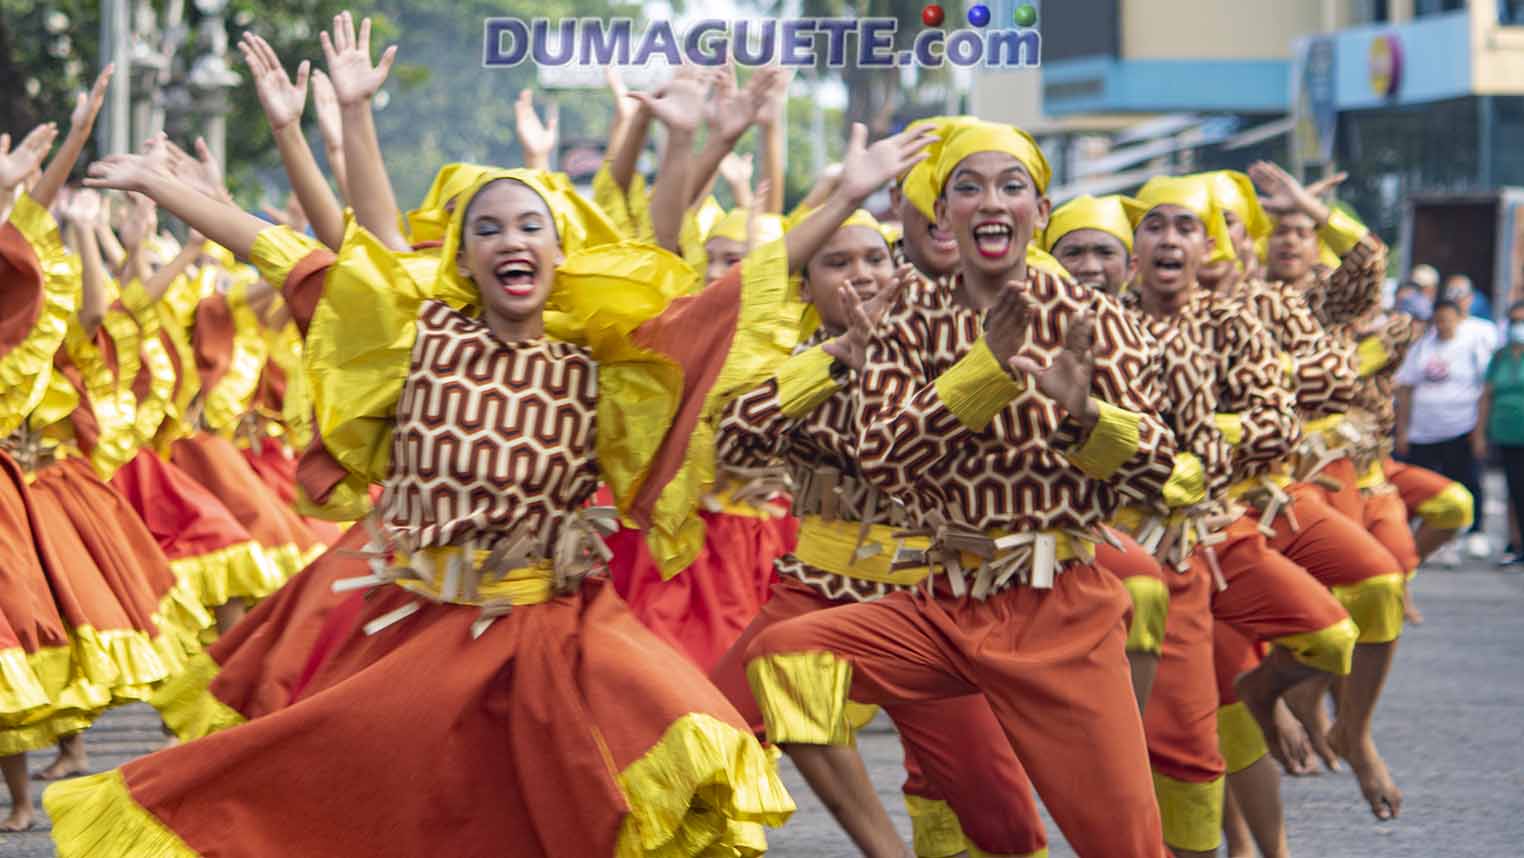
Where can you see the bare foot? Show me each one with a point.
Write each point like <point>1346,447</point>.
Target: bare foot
<point>1305,701</point>
<point>1376,782</point>
<point>65,766</point>
<point>21,819</point>
<point>1258,695</point>
<point>1295,744</point>
<point>1410,610</point>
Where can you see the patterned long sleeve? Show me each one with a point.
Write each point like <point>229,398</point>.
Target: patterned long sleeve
<point>945,426</point>
<point>756,429</point>
<point>1352,290</point>
<point>1256,390</point>
<point>1324,368</point>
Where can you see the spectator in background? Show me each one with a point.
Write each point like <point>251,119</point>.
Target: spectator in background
<point>1501,421</point>
<point>1474,307</point>
<point>1427,280</point>
<point>1409,299</point>
<point>1439,389</point>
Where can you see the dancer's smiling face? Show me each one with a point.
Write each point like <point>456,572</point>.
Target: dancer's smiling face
<point>992,207</point>
<point>856,256</point>
<point>510,250</point>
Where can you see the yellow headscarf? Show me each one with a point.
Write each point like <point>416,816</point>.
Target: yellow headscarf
<point>1235,193</point>
<point>970,139</point>
<point>579,225</point>
<point>1044,261</point>
<point>429,220</point>
<point>1112,215</point>
<point>733,226</point>
<point>918,184</point>
<point>1193,193</point>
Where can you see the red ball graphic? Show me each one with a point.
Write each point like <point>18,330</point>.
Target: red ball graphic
<point>932,15</point>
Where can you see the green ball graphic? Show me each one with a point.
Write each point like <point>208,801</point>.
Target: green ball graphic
<point>1026,15</point>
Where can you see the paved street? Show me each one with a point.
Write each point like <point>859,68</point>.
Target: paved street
<point>1449,725</point>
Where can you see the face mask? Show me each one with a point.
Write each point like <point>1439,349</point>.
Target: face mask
<point>1516,333</point>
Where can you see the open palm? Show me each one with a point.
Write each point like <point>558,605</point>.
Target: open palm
<point>18,164</point>
<point>281,100</point>
<point>347,56</point>
<point>867,168</point>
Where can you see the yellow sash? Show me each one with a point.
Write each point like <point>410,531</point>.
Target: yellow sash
<point>833,547</point>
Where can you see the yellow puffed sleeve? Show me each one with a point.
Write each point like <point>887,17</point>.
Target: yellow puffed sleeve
<point>26,367</point>
<point>629,210</point>
<point>296,406</point>
<point>358,342</point>
<point>233,395</point>
<point>177,303</point>
<point>159,402</point>
<point>114,408</point>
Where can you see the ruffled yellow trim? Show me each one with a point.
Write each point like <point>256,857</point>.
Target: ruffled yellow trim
<point>977,387</point>
<point>1150,609</point>
<point>70,701</point>
<point>705,788</point>
<point>35,737</point>
<point>175,425</point>
<point>629,211</point>
<point>1451,509</point>
<point>125,660</point>
<point>96,817</point>
<point>230,398</point>
<point>242,570</point>
<point>287,560</point>
<point>181,619</point>
<point>693,234</point>
<point>1342,232</point>
<point>113,405</point>
<point>1331,650</point>
<point>1375,605</point>
<point>159,403</point>
<point>803,697</point>
<point>805,381</point>
<point>1112,442</point>
<point>1186,483</point>
<point>25,369</point>
<point>296,408</point>
<point>20,689</point>
<point>187,705</point>
<point>1192,813</point>
<point>1239,737</point>
<point>937,833</point>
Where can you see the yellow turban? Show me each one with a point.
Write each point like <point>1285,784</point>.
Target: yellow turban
<point>918,184</point>
<point>1044,261</point>
<point>429,220</point>
<point>971,139</point>
<point>579,225</point>
<point>734,224</point>
<point>1235,193</point>
<point>1194,194</point>
<point>1112,215</point>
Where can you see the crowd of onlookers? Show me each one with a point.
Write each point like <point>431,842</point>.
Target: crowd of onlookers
<point>1460,397</point>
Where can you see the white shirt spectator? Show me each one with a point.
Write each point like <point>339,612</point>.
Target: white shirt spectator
<point>1447,377</point>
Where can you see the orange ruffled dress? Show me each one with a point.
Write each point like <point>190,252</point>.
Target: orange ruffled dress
<point>495,667</point>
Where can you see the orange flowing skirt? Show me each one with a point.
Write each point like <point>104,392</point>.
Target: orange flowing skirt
<point>566,729</point>
<point>275,465</point>
<point>703,610</point>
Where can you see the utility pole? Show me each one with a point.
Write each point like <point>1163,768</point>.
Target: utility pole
<point>113,135</point>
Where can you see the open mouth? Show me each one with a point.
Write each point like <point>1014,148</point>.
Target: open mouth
<point>1171,265</point>
<point>943,240</point>
<point>993,240</point>
<point>516,277</point>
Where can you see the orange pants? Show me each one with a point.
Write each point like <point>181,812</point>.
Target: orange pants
<point>1387,519</point>
<point>1343,556</point>
<point>1051,664</point>
<point>988,790</point>
<point>1239,736</point>
<point>1348,499</point>
<point>1440,501</point>
<point>1147,589</point>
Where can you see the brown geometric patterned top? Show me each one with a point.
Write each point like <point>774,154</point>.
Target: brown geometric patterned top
<point>1236,366</point>
<point>755,432</point>
<point>490,435</point>
<point>1013,474</point>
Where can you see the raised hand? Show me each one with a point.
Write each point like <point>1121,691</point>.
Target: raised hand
<point>774,82</point>
<point>142,219</point>
<point>16,165</point>
<point>88,105</point>
<point>679,103</point>
<point>625,104</point>
<point>281,100</point>
<point>538,138</point>
<point>1067,379</point>
<point>124,173</point>
<point>83,208</point>
<point>867,168</point>
<point>736,170</point>
<point>347,56</point>
<point>326,101</point>
<point>1322,187</point>
<point>864,318</point>
<point>1281,194</point>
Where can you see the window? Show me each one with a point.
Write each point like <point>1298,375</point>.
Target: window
<point>1511,13</point>
<point>1437,7</point>
<point>1368,12</point>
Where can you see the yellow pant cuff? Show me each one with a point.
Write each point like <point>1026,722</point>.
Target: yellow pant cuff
<point>803,697</point>
<point>1239,737</point>
<point>1331,650</point>
<point>1375,605</point>
<point>1192,813</point>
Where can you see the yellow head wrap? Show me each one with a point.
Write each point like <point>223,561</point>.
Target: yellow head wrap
<point>1112,215</point>
<point>707,215</point>
<point>971,139</point>
<point>1044,261</point>
<point>1235,193</point>
<point>579,225</point>
<point>429,220</point>
<point>918,184</point>
<point>733,227</point>
<point>1194,194</point>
